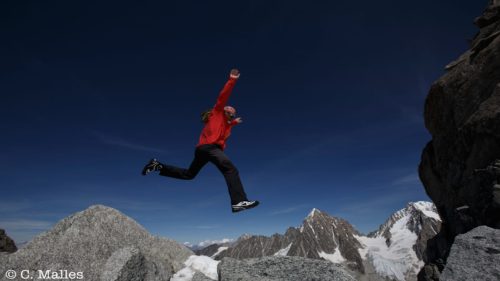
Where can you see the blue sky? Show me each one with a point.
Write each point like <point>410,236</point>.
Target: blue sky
<point>331,94</point>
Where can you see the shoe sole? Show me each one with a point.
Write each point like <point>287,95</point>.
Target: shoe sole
<point>239,209</point>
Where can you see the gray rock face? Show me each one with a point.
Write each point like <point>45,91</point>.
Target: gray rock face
<point>280,269</point>
<point>102,244</point>
<point>319,233</point>
<point>6,243</point>
<point>474,255</point>
<point>460,166</point>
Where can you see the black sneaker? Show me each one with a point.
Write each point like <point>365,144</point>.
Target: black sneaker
<point>244,205</point>
<point>153,165</point>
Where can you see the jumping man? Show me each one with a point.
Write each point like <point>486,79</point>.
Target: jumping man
<point>218,124</point>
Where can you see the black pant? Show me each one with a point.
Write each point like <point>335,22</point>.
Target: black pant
<point>210,153</point>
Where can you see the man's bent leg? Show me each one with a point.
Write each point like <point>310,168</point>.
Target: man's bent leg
<point>200,159</point>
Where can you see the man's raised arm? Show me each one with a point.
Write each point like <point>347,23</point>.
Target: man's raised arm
<point>226,91</point>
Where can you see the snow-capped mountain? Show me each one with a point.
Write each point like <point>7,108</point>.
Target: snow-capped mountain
<point>393,252</point>
<point>320,236</point>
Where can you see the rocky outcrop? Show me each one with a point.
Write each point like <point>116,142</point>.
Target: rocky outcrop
<point>460,166</point>
<point>6,243</point>
<point>479,247</point>
<point>280,269</point>
<point>100,243</point>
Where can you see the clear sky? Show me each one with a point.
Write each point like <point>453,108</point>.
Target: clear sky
<point>331,94</point>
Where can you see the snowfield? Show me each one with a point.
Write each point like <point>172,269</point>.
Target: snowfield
<point>219,250</point>
<point>336,257</point>
<point>283,252</point>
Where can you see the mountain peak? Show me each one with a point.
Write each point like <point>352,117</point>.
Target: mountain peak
<point>421,204</point>
<point>244,237</point>
<point>426,208</point>
<point>313,212</point>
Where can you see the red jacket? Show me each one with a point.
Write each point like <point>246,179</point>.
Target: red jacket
<point>218,127</point>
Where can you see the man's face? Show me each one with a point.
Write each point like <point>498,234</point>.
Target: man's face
<point>229,115</point>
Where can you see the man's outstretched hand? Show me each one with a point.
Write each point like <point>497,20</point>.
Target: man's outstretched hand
<point>235,73</point>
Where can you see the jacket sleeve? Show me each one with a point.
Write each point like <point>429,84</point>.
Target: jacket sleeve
<point>224,94</point>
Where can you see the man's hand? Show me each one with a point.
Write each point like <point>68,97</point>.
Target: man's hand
<point>238,120</point>
<point>235,73</point>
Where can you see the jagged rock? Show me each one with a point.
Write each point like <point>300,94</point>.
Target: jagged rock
<point>6,243</point>
<point>474,255</point>
<point>462,112</point>
<point>103,244</point>
<point>280,269</point>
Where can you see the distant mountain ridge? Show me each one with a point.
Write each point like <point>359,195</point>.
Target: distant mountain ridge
<point>393,252</point>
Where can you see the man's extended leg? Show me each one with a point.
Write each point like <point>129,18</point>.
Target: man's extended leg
<point>231,174</point>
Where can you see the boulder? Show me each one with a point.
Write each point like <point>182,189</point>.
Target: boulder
<point>281,268</point>
<point>100,243</point>
<point>474,255</point>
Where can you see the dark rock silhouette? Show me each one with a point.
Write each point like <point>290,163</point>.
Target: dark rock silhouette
<point>6,243</point>
<point>460,166</point>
